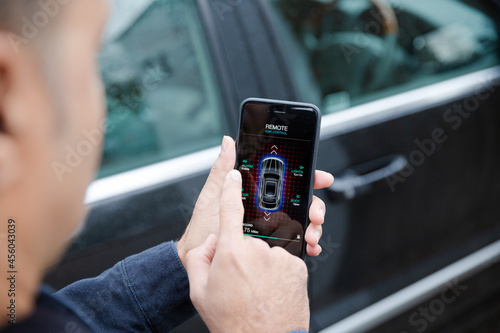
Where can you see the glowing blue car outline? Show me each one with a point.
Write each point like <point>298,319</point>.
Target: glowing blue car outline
<point>271,183</point>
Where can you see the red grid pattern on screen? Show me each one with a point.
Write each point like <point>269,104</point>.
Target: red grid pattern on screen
<point>294,153</point>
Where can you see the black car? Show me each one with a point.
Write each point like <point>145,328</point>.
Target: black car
<point>270,184</point>
<point>409,93</point>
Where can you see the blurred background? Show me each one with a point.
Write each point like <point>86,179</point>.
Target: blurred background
<point>411,130</point>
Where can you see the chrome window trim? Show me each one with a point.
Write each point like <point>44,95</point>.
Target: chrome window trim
<point>151,175</point>
<point>409,102</point>
<point>333,124</point>
<point>418,292</point>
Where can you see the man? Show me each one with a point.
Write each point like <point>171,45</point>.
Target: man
<point>50,96</point>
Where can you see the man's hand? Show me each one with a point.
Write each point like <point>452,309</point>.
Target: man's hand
<point>239,284</point>
<point>205,219</point>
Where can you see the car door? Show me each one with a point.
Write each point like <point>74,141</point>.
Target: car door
<point>415,152</point>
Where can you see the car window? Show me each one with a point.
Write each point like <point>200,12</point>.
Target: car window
<point>162,95</point>
<point>357,51</point>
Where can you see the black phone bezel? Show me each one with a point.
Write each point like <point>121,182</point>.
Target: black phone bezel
<point>281,105</point>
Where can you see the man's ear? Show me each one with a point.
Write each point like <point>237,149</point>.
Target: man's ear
<point>13,117</point>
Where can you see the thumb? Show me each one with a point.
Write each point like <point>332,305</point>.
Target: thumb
<point>198,262</point>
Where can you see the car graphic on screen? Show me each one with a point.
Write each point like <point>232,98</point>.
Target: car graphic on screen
<point>271,180</point>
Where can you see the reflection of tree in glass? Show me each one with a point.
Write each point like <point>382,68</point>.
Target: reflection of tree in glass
<point>126,84</point>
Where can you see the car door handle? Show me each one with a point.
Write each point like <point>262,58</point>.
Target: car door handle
<point>357,180</point>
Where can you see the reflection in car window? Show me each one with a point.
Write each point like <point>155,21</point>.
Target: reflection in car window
<point>361,50</point>
<point>162,97</point>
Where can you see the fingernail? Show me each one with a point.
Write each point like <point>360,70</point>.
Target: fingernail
<point>224,144</point>
<point>322,211</point>
<point>235,175</point>
<point>320,249</point>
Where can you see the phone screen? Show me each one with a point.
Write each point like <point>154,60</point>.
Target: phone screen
<point>276,157</point>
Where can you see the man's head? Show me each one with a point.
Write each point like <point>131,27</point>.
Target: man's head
<point>51,114</point>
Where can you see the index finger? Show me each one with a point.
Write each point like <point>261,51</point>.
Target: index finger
<point>231,208</point>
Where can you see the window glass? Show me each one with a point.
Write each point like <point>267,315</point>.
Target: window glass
<point>361,50</point>
<point>162,94</point>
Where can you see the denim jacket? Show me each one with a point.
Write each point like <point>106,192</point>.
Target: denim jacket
<point>146,292</point>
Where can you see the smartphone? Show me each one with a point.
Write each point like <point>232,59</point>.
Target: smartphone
<point>276,154</point>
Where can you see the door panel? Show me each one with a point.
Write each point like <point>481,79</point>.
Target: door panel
<point>393,235</point>
<point>468,309</point>
<point>381,102</point>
